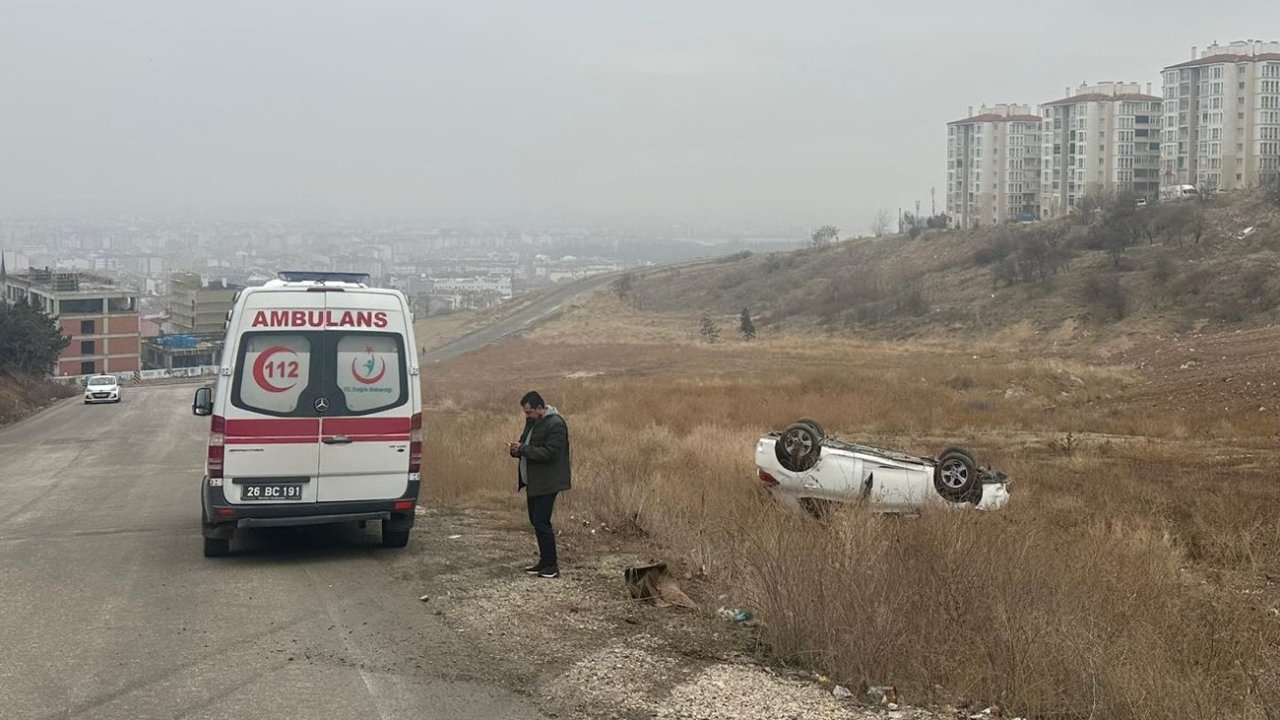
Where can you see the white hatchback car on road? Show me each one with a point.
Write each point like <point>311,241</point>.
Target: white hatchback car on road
<point>804,469</point>
<point>102,389</point>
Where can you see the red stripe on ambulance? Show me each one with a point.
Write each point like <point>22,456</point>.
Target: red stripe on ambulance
<point>273,432</point>
<point>285,431</point>
<point>369,429</point>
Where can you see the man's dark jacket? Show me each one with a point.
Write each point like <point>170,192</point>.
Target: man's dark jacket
<point>546,451</point>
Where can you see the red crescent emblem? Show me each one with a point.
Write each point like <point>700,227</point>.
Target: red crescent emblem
<point>367,381</point>
<point>260,367</point>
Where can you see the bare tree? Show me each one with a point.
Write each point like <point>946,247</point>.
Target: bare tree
<point>825,235</point>
<point>882,224</point>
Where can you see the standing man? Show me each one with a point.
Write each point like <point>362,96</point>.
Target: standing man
<point>544,472</point>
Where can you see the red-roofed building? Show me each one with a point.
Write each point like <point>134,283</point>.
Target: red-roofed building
<point>1222,117</point>
<point>993,166</point>
<point>1101,138</point>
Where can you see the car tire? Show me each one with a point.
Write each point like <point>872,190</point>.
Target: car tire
<point>216,547</point>
<point>822,433</point>
<point>955,477</point>
<point>394,538</point>
<point>960,450</point>
<point>798,447</point>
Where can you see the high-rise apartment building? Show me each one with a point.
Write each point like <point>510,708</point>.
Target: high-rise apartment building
<point>1102,138</point>
<point>1222,117</point>
<point>993,166</point>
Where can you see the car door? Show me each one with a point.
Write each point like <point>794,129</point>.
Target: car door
<point>365,433</point>
<point>896,488</point>
<point>272,430</point>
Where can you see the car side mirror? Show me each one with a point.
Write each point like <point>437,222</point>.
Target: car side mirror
<point>203,403</point>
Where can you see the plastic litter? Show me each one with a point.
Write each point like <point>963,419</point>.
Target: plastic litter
<point>737,615</point>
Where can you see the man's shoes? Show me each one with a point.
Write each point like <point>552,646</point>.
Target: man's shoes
<point>533,569</point>
<point>551,572</point>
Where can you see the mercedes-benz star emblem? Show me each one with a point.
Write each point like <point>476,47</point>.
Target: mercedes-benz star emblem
<point>321,405</point>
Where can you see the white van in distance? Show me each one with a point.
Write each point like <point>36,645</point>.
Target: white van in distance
<point>316,416</point>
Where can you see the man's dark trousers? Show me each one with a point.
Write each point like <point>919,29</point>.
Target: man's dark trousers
<point>540,508</point>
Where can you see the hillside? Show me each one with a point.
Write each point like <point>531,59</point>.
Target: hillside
<point>1168,269</point>
<point>22,395</point>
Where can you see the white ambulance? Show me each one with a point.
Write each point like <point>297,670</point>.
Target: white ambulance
<point>316,416</point>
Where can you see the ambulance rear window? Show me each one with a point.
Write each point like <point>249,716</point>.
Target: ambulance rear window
<point>275,369</point>
<point>371,371</point>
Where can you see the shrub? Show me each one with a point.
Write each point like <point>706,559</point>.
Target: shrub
<point>1104,291</point>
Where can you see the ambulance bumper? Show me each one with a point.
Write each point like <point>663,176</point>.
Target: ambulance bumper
<point>243,515</point>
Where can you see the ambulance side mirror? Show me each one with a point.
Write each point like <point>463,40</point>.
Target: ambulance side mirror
<point>203,404</point>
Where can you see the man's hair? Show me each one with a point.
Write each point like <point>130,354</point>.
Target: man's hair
<point>533,400</point>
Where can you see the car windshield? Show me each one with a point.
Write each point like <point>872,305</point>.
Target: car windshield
<point>102,381</point>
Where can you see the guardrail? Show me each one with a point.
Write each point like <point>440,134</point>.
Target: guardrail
<point>141,376</point>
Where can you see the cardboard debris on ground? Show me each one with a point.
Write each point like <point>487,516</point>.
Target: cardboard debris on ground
<point>654,584</point>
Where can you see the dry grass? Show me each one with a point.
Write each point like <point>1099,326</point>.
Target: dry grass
<point>1128,579</point>
<point>21,395</point>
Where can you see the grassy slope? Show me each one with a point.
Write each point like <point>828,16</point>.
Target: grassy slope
<point>869,285</point>
<point>21,396</point>
<point>1133,576</point>
<point>1129,577</point>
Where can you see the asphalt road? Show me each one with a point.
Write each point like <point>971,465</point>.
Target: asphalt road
<point>109,610</point>
<point>520,320</point>
<point>536,312</point>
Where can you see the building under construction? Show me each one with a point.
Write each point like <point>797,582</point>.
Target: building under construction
<point>99,316</point>
<point>193,332</point>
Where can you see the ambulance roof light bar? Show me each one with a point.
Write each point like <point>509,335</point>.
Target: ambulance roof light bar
<point>323,276</point>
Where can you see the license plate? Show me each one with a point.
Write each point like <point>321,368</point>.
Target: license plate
<point>271,492</point>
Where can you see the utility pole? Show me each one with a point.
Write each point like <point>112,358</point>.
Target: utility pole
<point>933,202</point>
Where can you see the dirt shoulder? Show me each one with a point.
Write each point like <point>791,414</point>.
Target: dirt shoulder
<point>22,396</point>
<point>585,649</point>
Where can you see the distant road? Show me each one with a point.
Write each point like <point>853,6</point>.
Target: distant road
<point>538,311</point>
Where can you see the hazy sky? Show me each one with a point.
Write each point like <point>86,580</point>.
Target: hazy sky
<point>799,111</point>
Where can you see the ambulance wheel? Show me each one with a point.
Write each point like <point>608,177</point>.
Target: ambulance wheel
<point>216,547</point>
<point>394,538</point>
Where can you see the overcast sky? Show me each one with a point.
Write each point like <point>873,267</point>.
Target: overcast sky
<point>797,111</point>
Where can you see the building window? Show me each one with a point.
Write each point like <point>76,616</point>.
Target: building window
<point>86,347</point>
<point>86,327</point>
<point>87,367</point>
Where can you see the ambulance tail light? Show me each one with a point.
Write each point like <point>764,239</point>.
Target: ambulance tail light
<point>217,441</point>
<point>415,444</point>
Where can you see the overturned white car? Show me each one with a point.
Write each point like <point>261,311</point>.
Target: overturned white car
<point>804,469</point>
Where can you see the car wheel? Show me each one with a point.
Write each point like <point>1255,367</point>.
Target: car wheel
<point>798,447</point>
<point>960,450</point>
<point>955,477</point>
<point>216,547</point>
<point>394,538</point>
<point>814,424</point>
